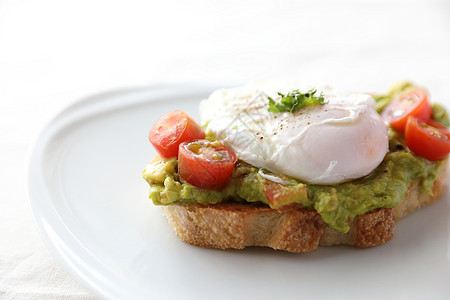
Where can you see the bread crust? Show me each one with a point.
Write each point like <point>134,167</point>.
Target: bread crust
<point>231,225</point>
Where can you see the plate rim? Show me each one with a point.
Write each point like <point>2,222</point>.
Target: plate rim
<point>54,238</point>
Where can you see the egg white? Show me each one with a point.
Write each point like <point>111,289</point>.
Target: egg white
<point>321,144</point>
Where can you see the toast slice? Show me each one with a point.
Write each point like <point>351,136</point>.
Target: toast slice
<point>232,225</point>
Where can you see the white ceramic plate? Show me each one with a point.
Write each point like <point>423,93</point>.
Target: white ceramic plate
<point>91,206</point>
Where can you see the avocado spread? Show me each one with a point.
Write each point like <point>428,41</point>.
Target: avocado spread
<point>337,204</point>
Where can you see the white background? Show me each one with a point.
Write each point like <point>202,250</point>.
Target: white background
<point>54,52</point>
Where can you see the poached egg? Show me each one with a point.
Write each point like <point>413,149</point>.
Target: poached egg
<point>341,140</point>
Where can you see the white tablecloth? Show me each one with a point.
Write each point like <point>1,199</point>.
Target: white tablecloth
<point>53,52</point>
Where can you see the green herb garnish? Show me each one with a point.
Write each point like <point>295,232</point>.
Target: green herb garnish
<point>295,100</point>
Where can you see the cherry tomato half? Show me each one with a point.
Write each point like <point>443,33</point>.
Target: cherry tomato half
<point>283,197</point>
<point>172,129</point>
<point>205,164</point>
<point>430,140</point>
<point>414,103</point>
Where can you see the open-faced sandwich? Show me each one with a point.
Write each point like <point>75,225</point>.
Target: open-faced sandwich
<point>292,168</point>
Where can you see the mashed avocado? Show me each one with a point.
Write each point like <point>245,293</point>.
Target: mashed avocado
<point>337,204</point>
